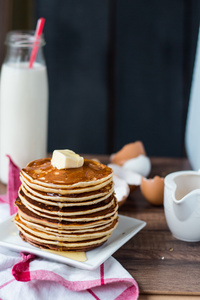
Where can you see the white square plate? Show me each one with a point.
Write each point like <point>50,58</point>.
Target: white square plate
<point>126,229</point>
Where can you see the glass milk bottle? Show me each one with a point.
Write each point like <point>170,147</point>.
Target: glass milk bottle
<point>23,102</point>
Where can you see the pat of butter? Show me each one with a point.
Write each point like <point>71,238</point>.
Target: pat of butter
<point>65,159</point>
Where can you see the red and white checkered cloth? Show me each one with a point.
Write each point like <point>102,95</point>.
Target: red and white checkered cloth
<point>28,277</point>
<point>25,276</point>
<point>12,186</point>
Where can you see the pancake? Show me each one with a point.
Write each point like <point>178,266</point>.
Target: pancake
<point>56,230</point>
<point>66,209</point>
<point>64,191</point>
<point>72,236</point>
<point>63,225</point>
<point>86,246</point>
<point>69,198</point>
<point>65,203</point>
<point>96,215</point>
<point>41,172</point>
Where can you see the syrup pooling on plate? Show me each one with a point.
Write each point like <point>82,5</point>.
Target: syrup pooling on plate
<point>66,209</point>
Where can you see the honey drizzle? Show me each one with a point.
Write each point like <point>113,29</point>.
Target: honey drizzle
<point>90,171</point>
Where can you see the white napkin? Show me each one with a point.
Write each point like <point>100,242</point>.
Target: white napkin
<point>25,276</point>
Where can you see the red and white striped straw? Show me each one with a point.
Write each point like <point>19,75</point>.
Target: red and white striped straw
<point>38,32</point>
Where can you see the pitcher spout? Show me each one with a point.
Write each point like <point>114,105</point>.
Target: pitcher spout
<point>186,206</point>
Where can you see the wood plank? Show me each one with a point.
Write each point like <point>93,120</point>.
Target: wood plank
<point>161,264</point>
<point>167,297</point>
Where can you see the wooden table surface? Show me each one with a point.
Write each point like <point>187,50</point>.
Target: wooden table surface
<point>164,267</point>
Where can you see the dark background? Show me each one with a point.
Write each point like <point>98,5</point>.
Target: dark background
<point>119,71</point>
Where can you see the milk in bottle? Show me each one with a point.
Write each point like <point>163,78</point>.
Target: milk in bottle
<point>23,103</point>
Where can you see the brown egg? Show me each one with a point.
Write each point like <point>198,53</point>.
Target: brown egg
<point>153,190</point>
<point>129,151</point>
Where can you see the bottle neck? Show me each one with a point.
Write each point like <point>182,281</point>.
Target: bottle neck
<point>19,55</point>
<point>20,45</point>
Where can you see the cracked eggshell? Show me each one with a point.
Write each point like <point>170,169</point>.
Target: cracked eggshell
<point>127,152</point>
<point>121,189</point>
<point>153,190</point>
<point>140,165</point>
<point>132,179</point>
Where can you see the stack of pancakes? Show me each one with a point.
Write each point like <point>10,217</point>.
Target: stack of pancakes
<point>68,209</point>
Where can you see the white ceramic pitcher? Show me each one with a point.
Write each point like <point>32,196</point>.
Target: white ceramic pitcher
<point>182,204</point>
